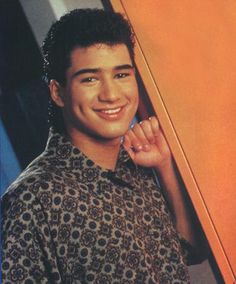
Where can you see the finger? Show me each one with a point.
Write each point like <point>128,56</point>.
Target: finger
<point>138,137</point>
<point>147,130</point>
<point>155,125</point>
<point>135,143</point>
<point>160,138</point>
<point>162,143</point>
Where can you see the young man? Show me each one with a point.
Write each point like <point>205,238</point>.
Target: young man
<point>88,209</point>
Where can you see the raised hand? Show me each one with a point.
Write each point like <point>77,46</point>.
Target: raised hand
<point>147,145</point>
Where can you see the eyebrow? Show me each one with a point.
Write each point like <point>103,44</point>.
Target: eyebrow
<point>97,70</point>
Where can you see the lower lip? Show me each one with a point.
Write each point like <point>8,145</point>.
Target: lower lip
<point>112,116</point>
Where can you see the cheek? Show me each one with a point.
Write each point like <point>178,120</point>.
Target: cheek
<point>72,106</point>
<point>131,90</point>
<point>84,96</point>
<point>134,94</point>
<point>134,101</point>
<point>79,100</point>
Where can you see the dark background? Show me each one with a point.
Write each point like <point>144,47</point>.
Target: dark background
<point>23,94</point>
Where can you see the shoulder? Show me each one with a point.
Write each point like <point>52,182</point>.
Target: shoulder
<point>25,189</point>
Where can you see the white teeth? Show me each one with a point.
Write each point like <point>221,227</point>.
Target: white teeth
<point>112,111</point>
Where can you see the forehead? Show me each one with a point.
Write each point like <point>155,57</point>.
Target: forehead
<point>100,56</point>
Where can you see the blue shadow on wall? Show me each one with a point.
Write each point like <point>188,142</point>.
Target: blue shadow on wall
<point>9,166</point>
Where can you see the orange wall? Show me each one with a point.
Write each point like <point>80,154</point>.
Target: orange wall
<point>186,55</point>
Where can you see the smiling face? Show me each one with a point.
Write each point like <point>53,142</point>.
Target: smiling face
<point>100,97</point>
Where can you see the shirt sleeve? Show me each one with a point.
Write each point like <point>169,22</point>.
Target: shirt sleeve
<point>27,251</point>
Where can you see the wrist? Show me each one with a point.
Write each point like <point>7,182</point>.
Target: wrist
<point>165,166</point>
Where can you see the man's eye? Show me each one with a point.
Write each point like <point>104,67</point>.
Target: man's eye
<point>88,80</point>
<point>122,75</point>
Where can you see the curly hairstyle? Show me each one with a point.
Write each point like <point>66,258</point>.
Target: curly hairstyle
<point>80,28</point>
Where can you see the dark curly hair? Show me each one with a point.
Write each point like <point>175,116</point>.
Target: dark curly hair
<point>80,28</point>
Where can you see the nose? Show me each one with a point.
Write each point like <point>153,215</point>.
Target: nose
<point>110,91</point>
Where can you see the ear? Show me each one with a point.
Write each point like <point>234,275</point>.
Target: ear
<point>56,93</point>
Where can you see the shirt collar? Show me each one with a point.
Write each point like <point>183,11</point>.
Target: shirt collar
<point>73,160</point>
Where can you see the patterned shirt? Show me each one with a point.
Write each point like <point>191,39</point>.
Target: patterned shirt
<point>67,220</point>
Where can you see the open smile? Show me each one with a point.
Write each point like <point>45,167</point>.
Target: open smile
<point>112,113</point>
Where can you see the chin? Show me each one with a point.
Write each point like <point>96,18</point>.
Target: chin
<point>112,134</point>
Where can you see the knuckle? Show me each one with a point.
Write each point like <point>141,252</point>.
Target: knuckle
<point>144,123</point>
<point>137,128</point>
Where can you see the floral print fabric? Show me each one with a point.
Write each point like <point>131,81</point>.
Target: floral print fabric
<point>67,220</point>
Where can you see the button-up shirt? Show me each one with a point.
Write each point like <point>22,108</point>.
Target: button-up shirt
<point>67,220</point>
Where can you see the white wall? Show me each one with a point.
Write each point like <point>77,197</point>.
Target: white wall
<point>41,14</point>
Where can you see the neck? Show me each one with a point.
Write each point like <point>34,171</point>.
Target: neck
<point>104,152</point>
